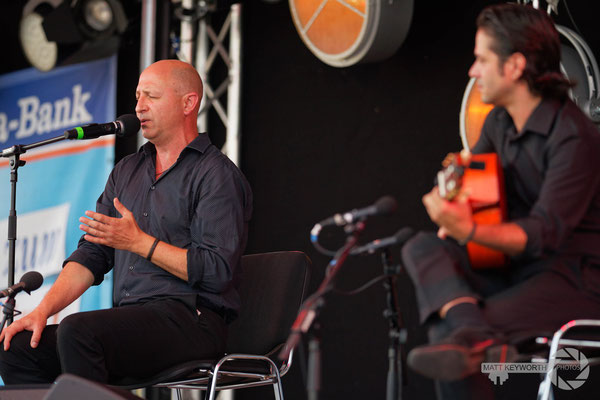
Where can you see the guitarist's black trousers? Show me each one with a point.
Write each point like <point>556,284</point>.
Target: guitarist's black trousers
<point>538,296</point>
<point>524,300</point>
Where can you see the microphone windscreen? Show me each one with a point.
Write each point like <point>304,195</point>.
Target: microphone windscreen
<point>386,205</point>
<point>403,235</point>
<point>130,125</point>
<point>32,280</point>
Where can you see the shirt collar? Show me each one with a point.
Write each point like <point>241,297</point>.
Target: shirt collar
<point>542,118</point>
<point>200,144</point>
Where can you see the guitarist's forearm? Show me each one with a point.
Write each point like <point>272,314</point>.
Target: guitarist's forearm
<point>508,238</point>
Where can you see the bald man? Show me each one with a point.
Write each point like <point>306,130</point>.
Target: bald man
<point>172,225</point>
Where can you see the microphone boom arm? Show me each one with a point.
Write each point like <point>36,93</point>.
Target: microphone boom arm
<point>310,308</point>
<point>19,149</point>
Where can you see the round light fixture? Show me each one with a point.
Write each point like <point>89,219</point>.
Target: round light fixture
<point>346,32</point>
<point>61,32</point>
<point>473,112</point>
<point>98,14</point>
<point>41,53</point>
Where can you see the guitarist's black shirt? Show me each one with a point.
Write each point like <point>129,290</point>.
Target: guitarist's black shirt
<point>552,180</point>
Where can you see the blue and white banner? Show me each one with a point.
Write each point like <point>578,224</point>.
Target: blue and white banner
<point>59,181</point>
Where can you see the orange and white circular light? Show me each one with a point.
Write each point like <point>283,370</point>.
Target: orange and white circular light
<point>345,32</point>
<point>473,112</point>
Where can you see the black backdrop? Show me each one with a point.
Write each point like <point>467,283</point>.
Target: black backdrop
<point>317,140</point>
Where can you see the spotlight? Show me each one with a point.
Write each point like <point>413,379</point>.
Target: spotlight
<point>39,51</point>
<point>98,15</point>
<point>58,33</point>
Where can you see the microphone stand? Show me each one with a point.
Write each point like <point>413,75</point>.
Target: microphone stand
<point>14,156</point>
<point>307,319</point>
<point>397,332</point>
<point>8,310</point>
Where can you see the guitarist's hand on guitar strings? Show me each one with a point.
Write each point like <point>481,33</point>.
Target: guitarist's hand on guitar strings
<point>454,218</point>
<point>477,177</point>
<point>465,158</point>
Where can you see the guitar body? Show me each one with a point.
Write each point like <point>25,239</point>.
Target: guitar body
<point>486,196</point>
<point>481,177</point>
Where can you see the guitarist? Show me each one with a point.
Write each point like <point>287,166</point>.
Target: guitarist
<point>550,154</point>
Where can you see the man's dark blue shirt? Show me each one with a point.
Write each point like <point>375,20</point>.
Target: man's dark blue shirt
<point>202,203</point>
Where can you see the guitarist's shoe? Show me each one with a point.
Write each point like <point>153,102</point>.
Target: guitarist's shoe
<point>459,356</point>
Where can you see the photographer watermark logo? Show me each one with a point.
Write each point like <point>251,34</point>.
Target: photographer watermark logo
<point>570,369</point>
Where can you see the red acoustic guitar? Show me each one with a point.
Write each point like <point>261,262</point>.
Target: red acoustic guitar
<point>480,176</point>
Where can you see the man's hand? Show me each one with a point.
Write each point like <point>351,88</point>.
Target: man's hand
<point>454,218</point>
<point>119,233</point>
<point>34,322</point>
<point>125,234</point>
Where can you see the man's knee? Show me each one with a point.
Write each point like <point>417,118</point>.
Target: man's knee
<point>72,329</point>
<point>23,364</point>
<point>416,248</point>
<point>419,244</point>
<point>9,358</point>
<point>19,343</point>
<point>79,348</point>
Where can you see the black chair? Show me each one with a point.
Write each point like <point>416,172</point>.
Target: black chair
<point>272,289</point>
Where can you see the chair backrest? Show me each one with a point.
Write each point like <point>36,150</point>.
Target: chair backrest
<point>272,289</point>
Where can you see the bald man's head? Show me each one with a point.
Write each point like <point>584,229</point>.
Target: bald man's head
<point>181,76</point>
<point>168,96</point>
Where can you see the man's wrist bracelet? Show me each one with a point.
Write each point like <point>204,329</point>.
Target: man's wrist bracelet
<point>469,236</point>
<point>149,256</point>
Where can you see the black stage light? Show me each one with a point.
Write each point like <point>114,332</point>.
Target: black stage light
<point>56,33</point>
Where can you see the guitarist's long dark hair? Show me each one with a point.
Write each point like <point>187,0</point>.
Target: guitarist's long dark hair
<point>523,29</point>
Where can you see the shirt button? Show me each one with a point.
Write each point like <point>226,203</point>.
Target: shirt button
<point>152,187</point>
<point>126,294</point>
<point>145,214</point>
<point>131,267</point>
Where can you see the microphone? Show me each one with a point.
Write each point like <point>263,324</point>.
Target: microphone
<point>29,282</point>
<point>125,125</point>
<point>385,205</point>
<point>399,238</point>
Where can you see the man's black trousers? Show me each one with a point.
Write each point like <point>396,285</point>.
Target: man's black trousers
<point>133,341</point>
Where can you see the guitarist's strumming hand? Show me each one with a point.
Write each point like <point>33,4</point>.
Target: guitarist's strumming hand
<point>454,218</point>
<point>468,204</point>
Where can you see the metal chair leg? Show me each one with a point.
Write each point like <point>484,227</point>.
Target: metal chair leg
<point>211,388</point>
<point>278,391</point>
<point>277,385</point>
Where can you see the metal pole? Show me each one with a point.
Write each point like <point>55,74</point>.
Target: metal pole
<point>148,32</point>
<point>147,42</point>
<point>200,62</point>
<point>187,31</point>
<point>232,145</point>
